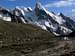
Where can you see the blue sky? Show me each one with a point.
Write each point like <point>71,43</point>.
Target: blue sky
<point>67,7</point>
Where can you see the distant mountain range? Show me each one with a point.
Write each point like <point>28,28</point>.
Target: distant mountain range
<point>58,24</point>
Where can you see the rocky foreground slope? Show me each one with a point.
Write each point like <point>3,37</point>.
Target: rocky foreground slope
<point>29,40</point>
<point>17,39</point>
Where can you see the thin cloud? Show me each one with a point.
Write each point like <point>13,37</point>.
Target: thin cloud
<point>73,10</point>
<point>61,3</point>
<point>12,0</point>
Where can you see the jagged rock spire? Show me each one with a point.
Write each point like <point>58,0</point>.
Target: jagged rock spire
<point>38,4</point>
<point>38,7</point>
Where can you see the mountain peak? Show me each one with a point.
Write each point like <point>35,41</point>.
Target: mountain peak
<point>29,9</point>
<point>39,5</point>
<point>60,14</point>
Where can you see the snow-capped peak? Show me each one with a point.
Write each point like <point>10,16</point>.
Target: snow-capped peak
<point>57,28</point>
<point>55,17</point>
<point>17,7</point>
<point>29,9</point>
<point>39,6</point>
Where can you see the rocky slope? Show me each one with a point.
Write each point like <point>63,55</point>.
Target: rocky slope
<point>21,39</point>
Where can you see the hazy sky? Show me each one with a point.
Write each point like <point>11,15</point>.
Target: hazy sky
<point>67,7</point>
